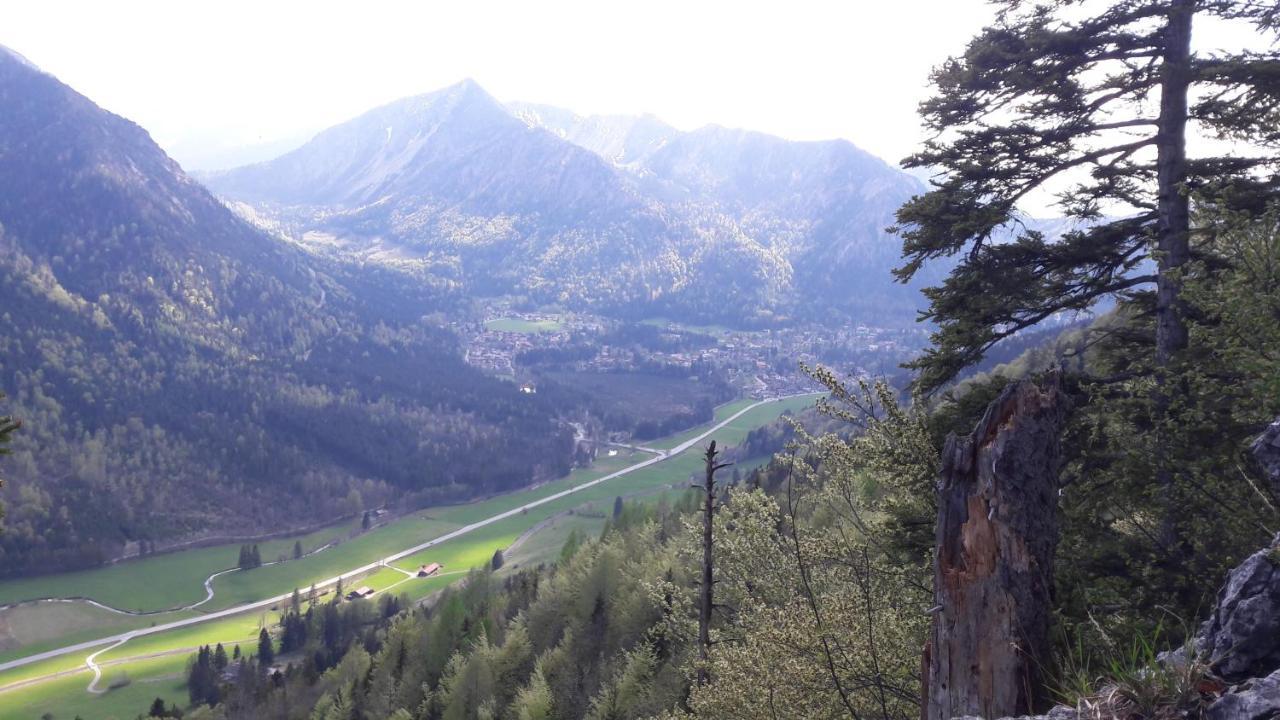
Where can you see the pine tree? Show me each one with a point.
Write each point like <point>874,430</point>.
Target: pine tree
<point>617,507</point>
<point>266,651</point>
<point>255,557</point>
<point>243,562</point>
<point>1044,98</point>
<point>157,708</point>
<point>220,658</point>
<point>297,549</point>
<point>366,521</point>
<point>497,560</point>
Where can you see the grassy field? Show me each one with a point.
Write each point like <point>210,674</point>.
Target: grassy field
<point>66,696</point>
<point>171,580</point>
<point>518,325</point>
<point>151,677</point>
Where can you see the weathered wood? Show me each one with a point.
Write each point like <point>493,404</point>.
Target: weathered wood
<point>993,568</point>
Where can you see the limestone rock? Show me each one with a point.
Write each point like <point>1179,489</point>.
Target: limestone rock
<point>1266,451</point>
<point>1241,639</point>
<point>1256,700</point>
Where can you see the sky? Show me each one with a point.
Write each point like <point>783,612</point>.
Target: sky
<point>205,77</point>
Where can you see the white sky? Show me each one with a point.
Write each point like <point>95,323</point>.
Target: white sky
<point>238,72</point>
<point>204,77</point>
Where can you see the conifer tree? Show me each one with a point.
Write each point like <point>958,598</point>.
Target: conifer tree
<point>297,549</point>
<point>1101,106</point>
<point>497,560</point>
<point>266,651</point>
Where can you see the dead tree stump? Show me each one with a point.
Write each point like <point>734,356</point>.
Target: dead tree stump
<point>993,565</point>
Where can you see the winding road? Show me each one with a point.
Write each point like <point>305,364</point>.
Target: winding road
<point>115,641</point>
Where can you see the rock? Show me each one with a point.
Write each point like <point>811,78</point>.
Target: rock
<point>1256,700</point>
<point>1241,639</point>
<point>1266,451</point>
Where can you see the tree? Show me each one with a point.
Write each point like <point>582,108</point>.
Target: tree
<point>366,521</point>
<point>497,560</point>
<point>617,507</point>
<point>220,657</point>
<point>297,549</point>
<point>1044,98</point>
<point>266,651</point>
<point>255,557</point>
<point>997,533</point>
<point>157,708</point>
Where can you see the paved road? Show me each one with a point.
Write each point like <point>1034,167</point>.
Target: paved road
<point>121,638</point>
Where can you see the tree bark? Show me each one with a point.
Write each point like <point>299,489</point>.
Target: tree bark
<point>1173,246</point>
<point>997,534</point>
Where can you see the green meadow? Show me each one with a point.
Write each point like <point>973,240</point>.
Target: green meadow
<point>518,325</point>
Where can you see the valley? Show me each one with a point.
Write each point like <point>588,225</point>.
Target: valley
<point>459,537</point>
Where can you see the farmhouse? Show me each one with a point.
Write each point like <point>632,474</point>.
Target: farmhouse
<point>429,570</point>
<point>363,591</point>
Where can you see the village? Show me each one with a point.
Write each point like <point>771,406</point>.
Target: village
<point>513,344</point>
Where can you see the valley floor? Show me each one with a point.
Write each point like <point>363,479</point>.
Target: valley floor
<point>141,657</point>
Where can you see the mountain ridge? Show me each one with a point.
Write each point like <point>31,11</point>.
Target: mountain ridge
<point>622,215</point>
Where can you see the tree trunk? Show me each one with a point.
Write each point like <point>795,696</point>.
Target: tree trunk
<point>993,569</point>
<point>1173,246</point>
<point>705,597</point>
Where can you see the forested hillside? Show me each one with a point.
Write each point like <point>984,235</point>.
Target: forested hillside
<point>179,372</point>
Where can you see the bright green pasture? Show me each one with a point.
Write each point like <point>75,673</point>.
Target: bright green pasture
<point>518,325</point>
<point>66,697</point>
<point>156,582</point>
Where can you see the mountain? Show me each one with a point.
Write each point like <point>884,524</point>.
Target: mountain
<point>624,215</point>
<point>181,373</point>
<point>619,139</point>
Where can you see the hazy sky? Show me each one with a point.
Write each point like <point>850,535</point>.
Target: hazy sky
<point>196,74</point>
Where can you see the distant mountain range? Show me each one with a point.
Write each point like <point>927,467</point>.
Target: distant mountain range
<point>624,215</point>
<point>181,372</point>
